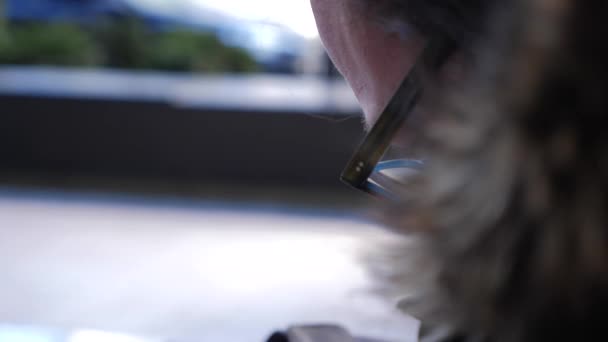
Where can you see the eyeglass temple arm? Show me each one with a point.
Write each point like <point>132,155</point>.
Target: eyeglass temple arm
<point>377,141</point>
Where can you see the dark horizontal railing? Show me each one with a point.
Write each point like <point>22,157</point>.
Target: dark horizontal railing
<point>115,125</point>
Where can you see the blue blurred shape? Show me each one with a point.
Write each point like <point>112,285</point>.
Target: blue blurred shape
<point>63,9</point>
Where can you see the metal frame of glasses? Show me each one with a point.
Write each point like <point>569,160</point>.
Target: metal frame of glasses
<point>364,170</point>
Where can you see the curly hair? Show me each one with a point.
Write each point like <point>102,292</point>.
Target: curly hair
<point>508,227</point>
<point>461,20</point>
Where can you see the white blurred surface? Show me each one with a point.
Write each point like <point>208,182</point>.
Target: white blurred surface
<point>295,14</point>
<point>259,92</point>
<point>193,274</point>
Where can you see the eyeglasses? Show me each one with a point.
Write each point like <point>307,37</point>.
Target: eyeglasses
<point>365,171</point>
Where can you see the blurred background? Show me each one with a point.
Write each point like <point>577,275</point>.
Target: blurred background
<point>169,169</point>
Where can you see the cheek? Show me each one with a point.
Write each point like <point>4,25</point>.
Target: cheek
<point>372,60</point>
<point>332,18</point>
<point>384,62</point>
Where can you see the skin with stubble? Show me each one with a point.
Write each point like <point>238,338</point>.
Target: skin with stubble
<point>372,59</point>
<point>375,56</point>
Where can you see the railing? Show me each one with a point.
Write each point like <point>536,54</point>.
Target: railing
<point>262,130</point>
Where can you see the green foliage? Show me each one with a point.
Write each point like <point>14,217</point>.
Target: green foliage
<point>4,40</point>
<point>120,43</point>
<point>238,60</point>
<point>48,44</point>
<point>186,50</point>
<point>183,50</point>
<point>123,42</point>
<point>2,17</point>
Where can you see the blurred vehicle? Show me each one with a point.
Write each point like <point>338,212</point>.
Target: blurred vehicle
<point>275,48</point>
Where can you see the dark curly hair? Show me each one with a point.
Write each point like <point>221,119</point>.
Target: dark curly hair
<point>507,229</point>
<point>461,20</point>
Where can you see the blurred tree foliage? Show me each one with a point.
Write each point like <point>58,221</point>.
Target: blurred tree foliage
<point>186,50</point>
<point>2,16</point>
<point>123,42</point>
<point>48,44</point>
<point>3,33</point>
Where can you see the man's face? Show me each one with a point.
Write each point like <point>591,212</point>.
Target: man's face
<point>373,60</point>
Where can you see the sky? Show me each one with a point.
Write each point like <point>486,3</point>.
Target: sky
<point>295,14</point>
